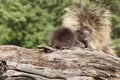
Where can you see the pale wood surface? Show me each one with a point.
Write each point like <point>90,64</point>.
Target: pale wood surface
<point>50,64</point>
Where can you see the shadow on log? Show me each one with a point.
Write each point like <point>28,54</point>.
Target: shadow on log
<point>44,63</point>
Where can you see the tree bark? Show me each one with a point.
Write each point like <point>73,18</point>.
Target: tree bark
<point>44,63</point>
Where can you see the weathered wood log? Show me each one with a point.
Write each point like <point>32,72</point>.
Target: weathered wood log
<point>49,64</point>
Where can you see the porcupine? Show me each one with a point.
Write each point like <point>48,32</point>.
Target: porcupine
<point>62,38</point>
<point>91,25</point>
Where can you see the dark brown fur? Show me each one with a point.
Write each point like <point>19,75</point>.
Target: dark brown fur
<point>61,37</point>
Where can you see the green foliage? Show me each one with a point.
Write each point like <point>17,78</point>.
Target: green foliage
<point>116,43</point>
<point>27,22</point>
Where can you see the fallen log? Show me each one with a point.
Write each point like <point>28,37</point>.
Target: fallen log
<point>46,63</point>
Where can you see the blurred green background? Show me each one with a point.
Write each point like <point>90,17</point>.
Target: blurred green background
<point>27,23</point>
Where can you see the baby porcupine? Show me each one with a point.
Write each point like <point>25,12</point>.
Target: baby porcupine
<point>62,37</point>
<point>91,24</point>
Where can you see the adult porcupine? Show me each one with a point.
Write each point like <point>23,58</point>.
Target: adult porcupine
<point>92,25</point>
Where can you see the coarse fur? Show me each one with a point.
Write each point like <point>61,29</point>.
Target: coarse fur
<point>61,37</point>
<point>92,25</point>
